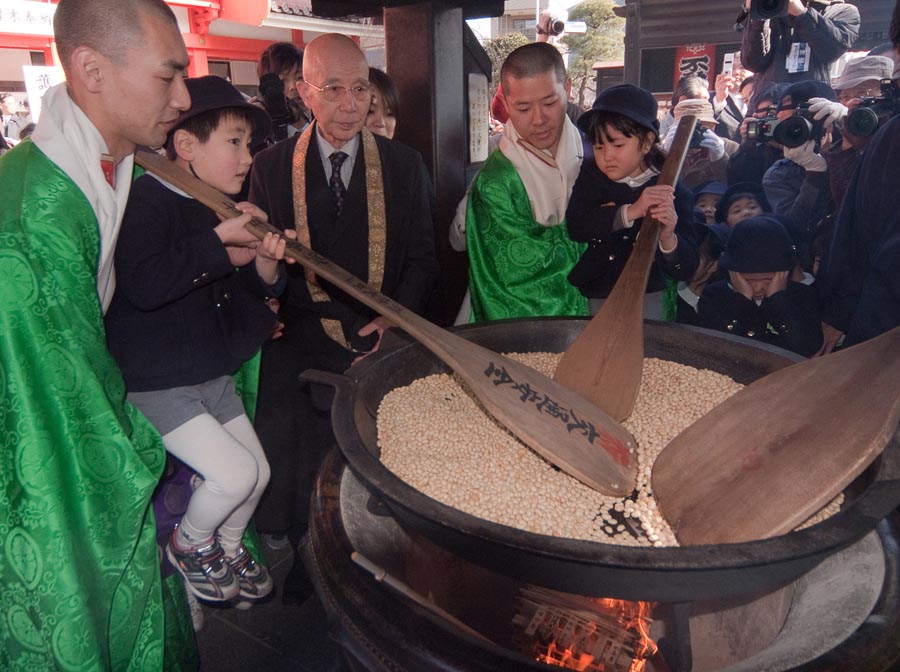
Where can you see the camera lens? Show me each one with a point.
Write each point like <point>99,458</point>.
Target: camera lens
<point>557,27</point>
<point>793,132</point>
<point>768,9</point>
<point>862,122</point>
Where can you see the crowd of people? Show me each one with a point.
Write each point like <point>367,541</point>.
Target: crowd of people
<point>150,350</point>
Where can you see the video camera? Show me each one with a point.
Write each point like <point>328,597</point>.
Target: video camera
<point>551,22</point>
<point>872,112</point>
<point>768,9</point>
<point>794,131</point>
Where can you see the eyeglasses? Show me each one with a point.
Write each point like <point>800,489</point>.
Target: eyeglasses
<point>335,93</point>
<point>844,96</point>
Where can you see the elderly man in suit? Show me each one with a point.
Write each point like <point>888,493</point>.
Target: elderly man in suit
<point>360,200</point>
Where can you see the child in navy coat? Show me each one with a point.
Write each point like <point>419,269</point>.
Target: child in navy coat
<point>759,300</point>
<point>616,191</point>
<point>189,310</point>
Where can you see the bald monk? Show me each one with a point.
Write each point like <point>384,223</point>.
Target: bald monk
<point>361,201</point>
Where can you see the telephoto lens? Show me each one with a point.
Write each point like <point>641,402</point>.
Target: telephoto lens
<point>768,9</point>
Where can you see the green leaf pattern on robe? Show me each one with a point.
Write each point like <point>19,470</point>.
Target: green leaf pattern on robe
<point>79,570</point>
<point>517,267</point>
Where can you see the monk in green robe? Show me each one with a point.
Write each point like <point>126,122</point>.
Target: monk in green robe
<point>79,572</point>
<point>520,253</point>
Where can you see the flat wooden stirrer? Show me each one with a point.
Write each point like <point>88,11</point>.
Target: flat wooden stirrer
<point>564,428</point>
<point>605,363</point>
<point>769,457</point>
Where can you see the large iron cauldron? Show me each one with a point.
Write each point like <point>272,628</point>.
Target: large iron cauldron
<point>587,567</point>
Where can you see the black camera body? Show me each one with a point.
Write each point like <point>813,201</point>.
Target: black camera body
<point>868,117</point>
<point>799,128</point>
<point>271,90</point>
<point>768,9</point>
<point>760,131</point>
<point>697,137</point>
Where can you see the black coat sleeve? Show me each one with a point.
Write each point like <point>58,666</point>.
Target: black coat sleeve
<point>591,211</point>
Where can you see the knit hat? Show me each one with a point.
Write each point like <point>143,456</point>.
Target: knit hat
<point>741,190</point>
<point>699,108</point>
<point>630,101</point>
<point>213,93</point>
<point>801,92</point>
<point>863,70</point>
<point>758,245</point>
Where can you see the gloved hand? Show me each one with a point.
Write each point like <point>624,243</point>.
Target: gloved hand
<point>714,144</point>
<point>805,156</point>
<point>822,108</point>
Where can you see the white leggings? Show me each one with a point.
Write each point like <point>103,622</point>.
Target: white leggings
<point>231,461</point>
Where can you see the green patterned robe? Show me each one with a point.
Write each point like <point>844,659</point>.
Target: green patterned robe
<point>517,267</point>
<point>79,570</point>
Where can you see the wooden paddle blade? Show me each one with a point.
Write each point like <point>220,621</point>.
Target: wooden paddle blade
<point>561,426</point>
<point>605,363</point>
<point>769,457</point>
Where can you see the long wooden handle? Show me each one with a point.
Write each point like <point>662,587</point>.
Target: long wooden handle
<point>637,268</point>
<point>605,363</point>
<point>557,423</point>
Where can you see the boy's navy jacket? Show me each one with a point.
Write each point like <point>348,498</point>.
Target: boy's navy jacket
<point>787,319</point>
<point>590,216</point>
<point>181,314</point>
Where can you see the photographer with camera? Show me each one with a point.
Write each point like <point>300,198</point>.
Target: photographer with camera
<point>861,295</point>
<point>707,157</point>
<point>795,40</point>
<point>797,185</point>
<point>858,85</point>
<point>280,70</point>
<point>756,154</point>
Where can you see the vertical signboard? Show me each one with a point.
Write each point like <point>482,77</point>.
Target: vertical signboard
<point>694,59</point>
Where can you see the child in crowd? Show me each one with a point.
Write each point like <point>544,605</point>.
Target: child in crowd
<point>711,240</point>
<point>184,319</point>
<point>759,300</point>
<point>739,202</point>
<point>614,193</point>
<point>706,198</point>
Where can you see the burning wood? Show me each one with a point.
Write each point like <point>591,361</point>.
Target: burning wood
<point>583,633</point>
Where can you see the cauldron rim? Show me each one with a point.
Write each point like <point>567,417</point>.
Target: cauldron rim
<point>806,547</point>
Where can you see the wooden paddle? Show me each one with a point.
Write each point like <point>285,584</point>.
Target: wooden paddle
<point>604,364</point>
<point>564,428</point>
<point>769,457</point>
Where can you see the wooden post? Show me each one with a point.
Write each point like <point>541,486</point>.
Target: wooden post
<point>424,50</point>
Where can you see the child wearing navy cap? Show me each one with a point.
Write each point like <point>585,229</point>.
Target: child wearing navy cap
<point>614,193</point>
<point>759,300</point>
<point>188,311</point>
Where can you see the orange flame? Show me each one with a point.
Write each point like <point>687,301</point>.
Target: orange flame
<point>578,643</point>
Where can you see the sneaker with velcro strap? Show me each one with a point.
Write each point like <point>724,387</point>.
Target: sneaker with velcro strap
<point>254,579</point>
<point>206,572</point>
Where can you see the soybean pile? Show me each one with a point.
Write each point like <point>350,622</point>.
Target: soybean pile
<point>436,436</point>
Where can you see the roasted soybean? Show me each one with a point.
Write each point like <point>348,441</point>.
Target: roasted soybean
<point>436,436</point>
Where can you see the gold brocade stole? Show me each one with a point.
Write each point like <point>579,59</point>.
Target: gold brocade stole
<point>377,220</point>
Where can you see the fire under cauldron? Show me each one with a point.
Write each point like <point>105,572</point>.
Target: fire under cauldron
<point>675,576</point>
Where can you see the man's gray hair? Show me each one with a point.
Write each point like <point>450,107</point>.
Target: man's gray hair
<point>111,27</point>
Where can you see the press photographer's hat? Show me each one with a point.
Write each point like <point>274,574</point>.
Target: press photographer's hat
<point>801,92</point>
<point>759,245</point>
<point>863,70</point>
<point>702,109</point>
<point>628,100</point>
<point>213,93</point>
